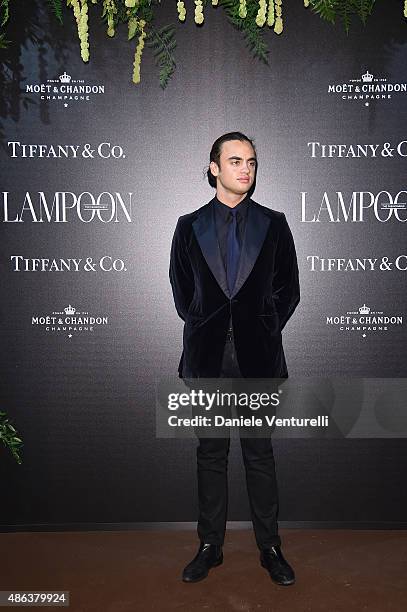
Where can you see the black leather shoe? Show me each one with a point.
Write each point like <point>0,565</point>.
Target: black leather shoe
<point>209,555</point>
<point>278,568</point>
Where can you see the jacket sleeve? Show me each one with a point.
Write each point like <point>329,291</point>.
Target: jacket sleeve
<point>181,273</point>
<point>286,288</point>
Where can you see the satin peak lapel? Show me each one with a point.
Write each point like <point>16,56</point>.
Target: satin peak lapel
<point>256,229</point>
<point>205,232</point>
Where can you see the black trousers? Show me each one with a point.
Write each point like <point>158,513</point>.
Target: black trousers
<point>212,462</point>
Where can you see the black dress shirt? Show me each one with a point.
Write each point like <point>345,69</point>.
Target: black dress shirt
<point>223,218</point>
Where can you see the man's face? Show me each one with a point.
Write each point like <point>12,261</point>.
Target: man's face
<point>237,169</point>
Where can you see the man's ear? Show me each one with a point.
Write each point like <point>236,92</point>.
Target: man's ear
<point>214,168</point>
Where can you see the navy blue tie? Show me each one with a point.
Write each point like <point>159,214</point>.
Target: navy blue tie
<point>233,251</point>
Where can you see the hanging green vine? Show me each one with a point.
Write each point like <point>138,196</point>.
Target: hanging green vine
<point>4,15</point>
<point>330,9</point>
<point>8,436</point>
<point>243,17</point>
<point>247,16</point>
<point>163,44</point>
<point>56,6</point>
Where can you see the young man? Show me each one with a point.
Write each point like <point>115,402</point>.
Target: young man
<point>234,277</point>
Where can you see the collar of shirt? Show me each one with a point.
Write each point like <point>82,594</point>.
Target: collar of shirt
<point>224,209</point>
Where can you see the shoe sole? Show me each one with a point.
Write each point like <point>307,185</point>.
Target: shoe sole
<point>289,583</point>
<point>216,564</point>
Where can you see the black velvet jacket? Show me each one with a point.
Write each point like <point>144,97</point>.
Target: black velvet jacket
<point>265,295</point>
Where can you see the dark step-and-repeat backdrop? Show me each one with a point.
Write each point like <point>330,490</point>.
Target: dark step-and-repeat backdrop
<point>92,185</point>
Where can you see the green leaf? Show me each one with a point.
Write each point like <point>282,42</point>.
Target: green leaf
<point>57,9</point>
<point>8,436</point>
<point>253,35</point>
<point>326,9</point>
<point>344,9</point>
<point>4,11</point>
<point>133,27</point>
<point>163,44</point>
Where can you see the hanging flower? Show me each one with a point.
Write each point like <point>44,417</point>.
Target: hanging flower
<point>139,51</point>
<point>261,13</point>
<point>270,14</point>
<point>278,27</point>
<point>80,10</point>
<point>181,11</point>
<point>109,9</point>
<point>76,9</point>
<point>242,9</point>
<point>199,17</point>
<point>84,31</point>
<point>163,40</point>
